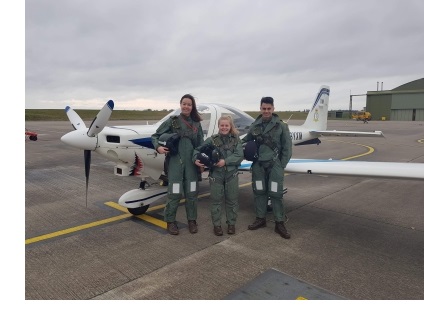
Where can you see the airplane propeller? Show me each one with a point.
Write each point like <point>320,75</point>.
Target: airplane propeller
<point>87,163</point>
<point>75,119</point>
<point>86,139</point>
<point>101,119</point>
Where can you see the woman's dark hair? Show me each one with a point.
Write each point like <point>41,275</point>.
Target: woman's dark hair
<point>194,114</point>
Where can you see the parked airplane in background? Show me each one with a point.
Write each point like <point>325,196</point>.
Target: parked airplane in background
<point>130,147</point>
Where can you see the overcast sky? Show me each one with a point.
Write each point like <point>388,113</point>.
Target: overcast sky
<point>146,54</point>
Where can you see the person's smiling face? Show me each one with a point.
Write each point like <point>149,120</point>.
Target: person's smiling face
<point>224,127</point>
<point>186,106</point>
<point>267,109</point>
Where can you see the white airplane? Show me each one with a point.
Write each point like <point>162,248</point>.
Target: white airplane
<point>131,149</point>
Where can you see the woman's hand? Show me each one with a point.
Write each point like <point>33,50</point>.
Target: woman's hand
<point>200,165</point>
<point>162,150</point>
<point>221,163</point>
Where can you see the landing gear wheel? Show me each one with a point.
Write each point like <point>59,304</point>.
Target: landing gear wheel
<point>138,211</point>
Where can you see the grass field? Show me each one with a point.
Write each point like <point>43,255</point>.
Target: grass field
<point>89,115</point>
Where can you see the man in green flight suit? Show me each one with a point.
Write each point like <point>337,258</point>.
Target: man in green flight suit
<point>274,150</point>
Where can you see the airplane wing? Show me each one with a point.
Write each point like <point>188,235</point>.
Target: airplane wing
<point>341,133</point>
<point>391,170</point>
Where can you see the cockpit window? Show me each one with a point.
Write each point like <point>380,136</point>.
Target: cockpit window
<point>204,112</point>
<point>206,118</point>
<point>242,120</point>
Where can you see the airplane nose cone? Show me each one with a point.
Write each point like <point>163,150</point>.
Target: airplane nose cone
<point>80,140</point>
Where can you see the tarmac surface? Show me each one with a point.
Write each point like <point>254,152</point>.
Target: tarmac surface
<point>352,238</point>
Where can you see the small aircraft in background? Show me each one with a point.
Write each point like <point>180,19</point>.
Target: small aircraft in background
<point>31,135</point>
<point>132,151</point>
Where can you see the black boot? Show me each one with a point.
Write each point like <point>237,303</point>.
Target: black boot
<point>192,226</point>
<point>281,229</point>
<point>217,230</point>
<point>172,228</point>
<point>258,223</point>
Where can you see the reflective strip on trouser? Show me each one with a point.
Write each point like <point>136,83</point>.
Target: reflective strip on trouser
<point>182,179</point>
<point>227,191</point>
<point>268,183</point>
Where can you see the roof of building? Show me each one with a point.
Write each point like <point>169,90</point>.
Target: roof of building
<point>413,85</point>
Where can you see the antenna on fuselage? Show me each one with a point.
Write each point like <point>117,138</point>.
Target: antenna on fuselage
<point>289,118</point>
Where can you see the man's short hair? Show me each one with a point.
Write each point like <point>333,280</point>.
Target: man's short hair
<point>268,100</point>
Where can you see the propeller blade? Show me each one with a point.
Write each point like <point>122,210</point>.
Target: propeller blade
<point>75,119</point>
<point>87,163</point>
<point>101,119</point>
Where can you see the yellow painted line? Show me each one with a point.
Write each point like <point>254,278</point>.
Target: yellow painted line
<point>370,149</point>
<point>245,184</point>
<point>420,141</point>
<point>152,220</point>
<point>144,217</point>
<point>301,298</point>
<point>77,228</point>
<point>158,207</point>
<point>116,206</point>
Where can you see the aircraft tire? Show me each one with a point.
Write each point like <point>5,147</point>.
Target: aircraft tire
<point>138,211</point>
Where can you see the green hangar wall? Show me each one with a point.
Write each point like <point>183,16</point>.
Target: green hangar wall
<point>403,103</point>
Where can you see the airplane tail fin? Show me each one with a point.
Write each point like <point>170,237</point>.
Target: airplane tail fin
<point>318,115</point>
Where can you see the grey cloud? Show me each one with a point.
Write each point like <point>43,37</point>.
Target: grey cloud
<point>219,50</point>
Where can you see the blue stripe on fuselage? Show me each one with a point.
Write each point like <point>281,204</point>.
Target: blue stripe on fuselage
<point>144,142</point>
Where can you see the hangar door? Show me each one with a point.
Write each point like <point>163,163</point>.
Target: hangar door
<point>419,115</point>
<point>407,115</point>
<point>401,115</point>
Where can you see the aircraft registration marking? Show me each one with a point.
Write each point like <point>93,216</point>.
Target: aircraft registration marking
<point>296,135</point>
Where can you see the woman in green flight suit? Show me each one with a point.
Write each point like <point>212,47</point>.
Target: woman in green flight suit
<point>182,173</point>
<point>223,175</point>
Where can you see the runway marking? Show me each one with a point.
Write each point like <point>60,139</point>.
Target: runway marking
<point>370,149</point>
<point>77,228</point>
<point>144,217</point>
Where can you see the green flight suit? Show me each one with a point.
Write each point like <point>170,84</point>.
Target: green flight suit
<point>182,173</point>
<point>224,181</point>
<point>274,152</point>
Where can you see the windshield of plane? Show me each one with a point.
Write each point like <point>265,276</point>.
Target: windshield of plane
<point>203,110</point>
<point>242,120</point>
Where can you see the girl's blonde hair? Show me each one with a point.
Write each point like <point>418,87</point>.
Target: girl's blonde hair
<point>233,130</point>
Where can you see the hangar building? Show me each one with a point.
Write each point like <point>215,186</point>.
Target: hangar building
<point>403,103</point>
